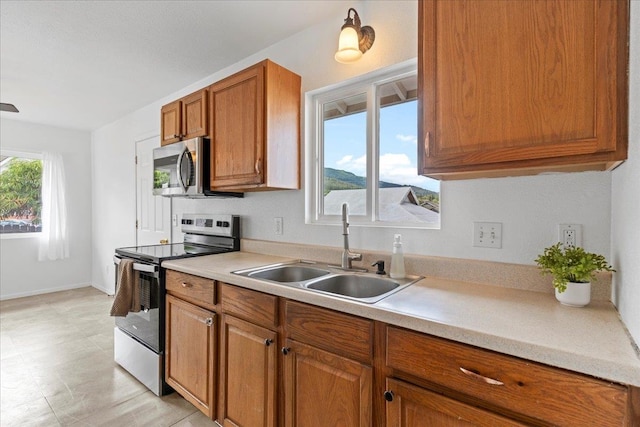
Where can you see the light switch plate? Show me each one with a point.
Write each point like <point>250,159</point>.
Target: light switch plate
<point>487,234</point>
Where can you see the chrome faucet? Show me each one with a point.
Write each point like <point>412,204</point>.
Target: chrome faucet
<point>347,256</point>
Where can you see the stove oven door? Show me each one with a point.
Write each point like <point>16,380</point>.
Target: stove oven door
<point>145,325</point>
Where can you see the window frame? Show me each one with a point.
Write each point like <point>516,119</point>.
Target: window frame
<point>314,157</point>
<point>23,155</point>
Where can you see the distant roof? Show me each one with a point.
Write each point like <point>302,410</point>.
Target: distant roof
<point>397,204</point>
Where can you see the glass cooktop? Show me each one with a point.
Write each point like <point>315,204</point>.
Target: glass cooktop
<point>158,253</point>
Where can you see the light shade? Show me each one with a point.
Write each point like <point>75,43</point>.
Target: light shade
<point>348,46</point>
<point>354,40</point>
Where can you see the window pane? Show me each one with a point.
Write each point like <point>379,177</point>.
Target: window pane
<point>345,155</point>
<point>20,195</point>
<point>404,196</point>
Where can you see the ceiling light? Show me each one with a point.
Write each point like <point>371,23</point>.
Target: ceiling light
<point>8,107</point>
<point>354,39</point>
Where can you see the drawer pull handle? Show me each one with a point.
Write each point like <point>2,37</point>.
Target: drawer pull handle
<point>480,377</point>
<point>186,285</point>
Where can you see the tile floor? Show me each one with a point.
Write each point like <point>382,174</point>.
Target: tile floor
<point>57,368</point>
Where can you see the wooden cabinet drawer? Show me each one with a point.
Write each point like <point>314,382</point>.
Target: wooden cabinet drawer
<point>329,330</point>
<point>195,289</point>
<point>259,308</point>
<point>544,393</point>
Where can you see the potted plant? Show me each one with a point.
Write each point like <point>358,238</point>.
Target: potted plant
<point>573,269</point>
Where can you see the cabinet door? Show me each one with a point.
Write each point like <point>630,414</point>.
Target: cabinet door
<point>411,406</point>
<point>237,129</point>
<point>194,115</point>
<point>522,84</point>
<point>324,389</point>
<point>170,122</point>
<point>190,353</point>
<point>248,365</point>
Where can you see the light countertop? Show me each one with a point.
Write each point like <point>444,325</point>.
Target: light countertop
<point>527,324</point>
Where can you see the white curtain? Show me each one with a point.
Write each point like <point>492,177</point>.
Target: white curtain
<point>54,241</point>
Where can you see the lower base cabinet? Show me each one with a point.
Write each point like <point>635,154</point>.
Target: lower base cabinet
<point>411,406</point>
<point>324,389</point>
<point>191,353</point>
<point>288,364</point>
<point>248,374</point>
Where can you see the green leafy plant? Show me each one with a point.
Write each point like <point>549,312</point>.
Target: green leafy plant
<point>571,264</point>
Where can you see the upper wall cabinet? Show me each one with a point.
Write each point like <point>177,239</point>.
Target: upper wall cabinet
<point>255,130</point>
<point>185,118</point>
<point>522,87</point>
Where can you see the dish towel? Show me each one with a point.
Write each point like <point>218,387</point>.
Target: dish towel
<point>127,297</point>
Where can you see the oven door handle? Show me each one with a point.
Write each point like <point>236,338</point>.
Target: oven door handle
<point>145,268</point>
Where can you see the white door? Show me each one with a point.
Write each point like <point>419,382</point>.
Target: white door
<point>153,213</point>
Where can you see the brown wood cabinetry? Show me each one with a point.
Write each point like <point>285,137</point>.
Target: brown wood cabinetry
<point>327,368</point>
<point>540,395</point>
<point>197,290</point>
<point>286,363</point>
<point>325,389</point>
<point>185,118</point>
<point>190,358</point>
<point>255,129</point>
<point>248,358</point>
<point>412,406</point>
<point>248,374</point>
<point>518,88</point>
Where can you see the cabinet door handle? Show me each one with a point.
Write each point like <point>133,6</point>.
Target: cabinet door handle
<point>480,377</point>
<point>427,144</point>
<point>186,285</point>
<point>286,350</point>
<point>388,396</point>
<point>268,342</point>
<point>208,321</point>
<point>258,162</point>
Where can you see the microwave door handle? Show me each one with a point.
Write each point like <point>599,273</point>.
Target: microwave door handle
<point>179,171</point>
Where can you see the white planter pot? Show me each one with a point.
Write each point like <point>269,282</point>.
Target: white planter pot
<point>576,294</point>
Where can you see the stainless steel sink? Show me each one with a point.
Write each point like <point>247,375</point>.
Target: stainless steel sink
<point>289,273</point>
<point>354,286</point>
<point>330,280</point>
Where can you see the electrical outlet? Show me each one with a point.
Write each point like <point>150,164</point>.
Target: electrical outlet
<point>570,234</point>
<point>278,224</point>
<point>487,234</point>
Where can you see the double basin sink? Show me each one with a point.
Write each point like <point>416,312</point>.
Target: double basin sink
<point>360,286</point>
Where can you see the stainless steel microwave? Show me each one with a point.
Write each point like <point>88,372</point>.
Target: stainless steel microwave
<point>178,168</point>
<point>181,169</point>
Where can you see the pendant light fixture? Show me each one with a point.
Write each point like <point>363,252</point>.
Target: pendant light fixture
<point>354,40</point>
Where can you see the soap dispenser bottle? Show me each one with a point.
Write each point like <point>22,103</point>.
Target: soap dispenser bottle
<point>397,259</point>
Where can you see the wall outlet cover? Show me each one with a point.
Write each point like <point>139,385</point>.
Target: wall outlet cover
<point>487,234</point>
<point>570,234</point>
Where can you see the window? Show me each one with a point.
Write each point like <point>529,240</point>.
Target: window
<point>363,143</point>
<point>20,193</point>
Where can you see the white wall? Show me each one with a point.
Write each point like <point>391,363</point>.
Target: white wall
<point>530,208</point>
<point>21,273</point>
<point>625,224</point>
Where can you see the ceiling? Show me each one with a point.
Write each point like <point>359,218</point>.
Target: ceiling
<point>84,64</point>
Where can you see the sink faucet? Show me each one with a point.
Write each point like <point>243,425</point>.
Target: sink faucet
<point>347,256</point>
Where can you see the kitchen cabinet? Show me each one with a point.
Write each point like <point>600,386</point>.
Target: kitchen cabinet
<point>191,353</point>
<point>248,359</point>
<point>185,118</point>
<point>411,406</point>
<point>514,388</point>
<point>328,377</point>
<point>521,88</point>
<point>255,130</point>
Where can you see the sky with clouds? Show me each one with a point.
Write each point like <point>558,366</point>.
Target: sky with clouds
<point>345,145</point>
